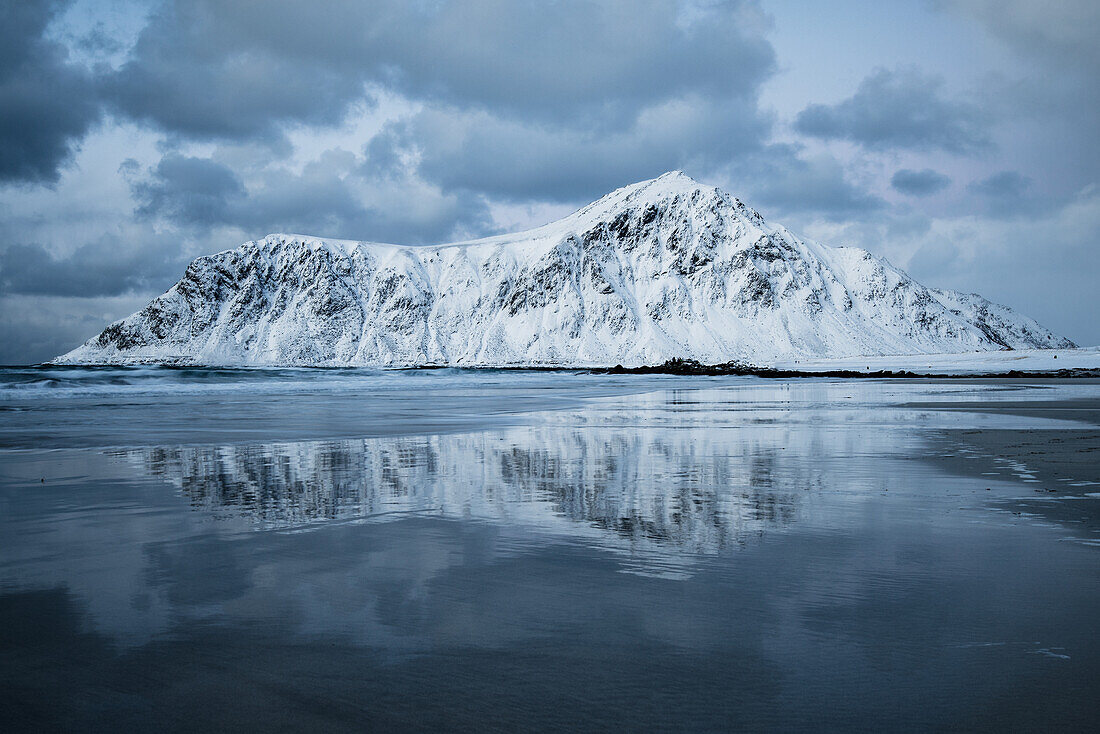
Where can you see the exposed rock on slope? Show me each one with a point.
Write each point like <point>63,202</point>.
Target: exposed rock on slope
<point>661,269</point>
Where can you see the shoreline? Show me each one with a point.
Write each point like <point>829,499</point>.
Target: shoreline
<point>1082,362</point>
<point>691,367</point>
<point>671,367</point>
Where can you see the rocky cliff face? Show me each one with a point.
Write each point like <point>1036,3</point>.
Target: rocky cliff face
<point>661,269</point>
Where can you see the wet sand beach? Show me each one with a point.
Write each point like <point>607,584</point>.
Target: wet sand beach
<point>291,550</point>
<point>1060,467</point>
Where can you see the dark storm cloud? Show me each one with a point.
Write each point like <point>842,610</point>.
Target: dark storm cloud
<point>188,191</point>
<point>188,76</point>
<point>781,179</point>
<point>1002,185</point>
<point>899,109</point>
<point>46,104</point>
<point>1007,194</point>
<point>386,151</point>
<point>210,69</point>
<point>323,199</point>
<point>203,193</point>
<point>919,183</point>
<point>513,160</point>
<point>553,61</point>
<point>105,267</point>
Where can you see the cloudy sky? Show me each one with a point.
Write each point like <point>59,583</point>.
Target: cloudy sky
<point>958,138</point>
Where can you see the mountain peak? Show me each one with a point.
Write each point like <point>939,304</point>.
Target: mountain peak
<point>651,191</point>
<point>676,180</point>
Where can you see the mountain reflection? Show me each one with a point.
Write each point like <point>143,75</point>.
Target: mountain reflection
<point>645,487</point>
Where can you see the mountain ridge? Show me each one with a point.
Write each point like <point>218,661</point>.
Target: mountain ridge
<point>662,269</point>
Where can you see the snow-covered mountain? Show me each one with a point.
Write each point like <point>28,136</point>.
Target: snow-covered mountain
<point>657,270</point>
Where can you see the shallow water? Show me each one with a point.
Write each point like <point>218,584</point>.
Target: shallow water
<point>221,549</point>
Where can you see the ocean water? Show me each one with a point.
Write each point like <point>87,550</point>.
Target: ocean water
<point>193,549</point>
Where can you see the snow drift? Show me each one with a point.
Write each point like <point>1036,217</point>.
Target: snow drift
<point>657,270</point>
